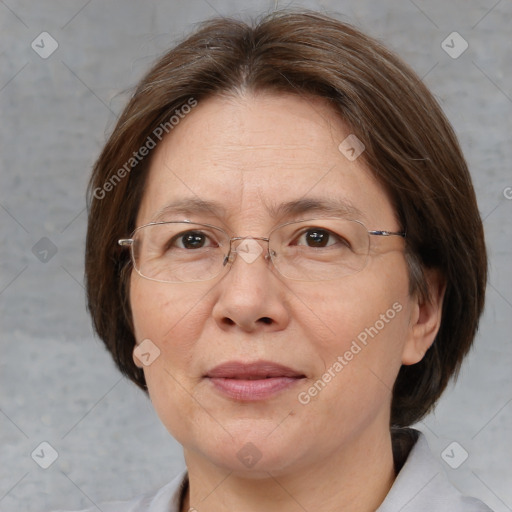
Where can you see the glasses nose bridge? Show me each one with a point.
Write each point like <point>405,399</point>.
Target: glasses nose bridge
<point>249,248</point>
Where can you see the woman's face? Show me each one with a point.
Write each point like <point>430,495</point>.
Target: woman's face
<point>343,341</point>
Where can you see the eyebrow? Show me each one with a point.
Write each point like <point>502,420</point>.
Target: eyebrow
<point>334,207</point>
<point>191,206</point>
<point>196,206</point>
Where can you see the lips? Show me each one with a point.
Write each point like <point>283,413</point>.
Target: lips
<point>250,371</point>
<point>252,381</point>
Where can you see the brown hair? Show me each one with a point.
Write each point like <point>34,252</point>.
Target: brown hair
<point>410,147</point>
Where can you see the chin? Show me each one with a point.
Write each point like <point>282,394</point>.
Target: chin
<point>253,453</point>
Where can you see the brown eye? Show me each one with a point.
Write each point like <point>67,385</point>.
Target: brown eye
<point>317,237</point>
<point>193,240</point>
<point>189,240</point>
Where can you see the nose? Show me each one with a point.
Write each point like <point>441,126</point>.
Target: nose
<point>251,296</point>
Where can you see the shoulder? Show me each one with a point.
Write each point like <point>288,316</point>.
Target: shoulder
<point>165,499</point>
<point>422,485</point>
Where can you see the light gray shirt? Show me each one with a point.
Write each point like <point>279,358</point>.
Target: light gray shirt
<point>421,486</point>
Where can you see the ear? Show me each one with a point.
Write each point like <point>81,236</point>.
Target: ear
<point>425,319</point>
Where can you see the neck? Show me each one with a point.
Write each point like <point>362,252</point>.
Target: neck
<point>358,477</point>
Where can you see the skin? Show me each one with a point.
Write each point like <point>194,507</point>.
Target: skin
<point>249,151</point>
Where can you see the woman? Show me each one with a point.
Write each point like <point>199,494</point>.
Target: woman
<point>284,250</point>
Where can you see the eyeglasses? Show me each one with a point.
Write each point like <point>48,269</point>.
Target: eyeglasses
<point>306,250</point>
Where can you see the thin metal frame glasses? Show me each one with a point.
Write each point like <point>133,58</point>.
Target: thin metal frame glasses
<point>320,249</point>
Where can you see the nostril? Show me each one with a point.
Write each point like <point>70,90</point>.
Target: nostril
<point>266,320</point>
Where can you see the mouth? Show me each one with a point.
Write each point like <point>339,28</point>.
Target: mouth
<point>252,381</point>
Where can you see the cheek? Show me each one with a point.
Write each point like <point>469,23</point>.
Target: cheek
<point>163,311</point>
<point>357,364</point>
<point>365,322</point>
<point>335,315</point>
<point>169,318</point>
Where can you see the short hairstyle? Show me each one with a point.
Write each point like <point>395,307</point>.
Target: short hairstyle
<point>410,148</point>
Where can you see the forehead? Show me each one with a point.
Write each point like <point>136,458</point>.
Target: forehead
<point>254,153</point>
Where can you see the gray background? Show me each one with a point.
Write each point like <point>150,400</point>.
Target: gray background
<point>57,382</point>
